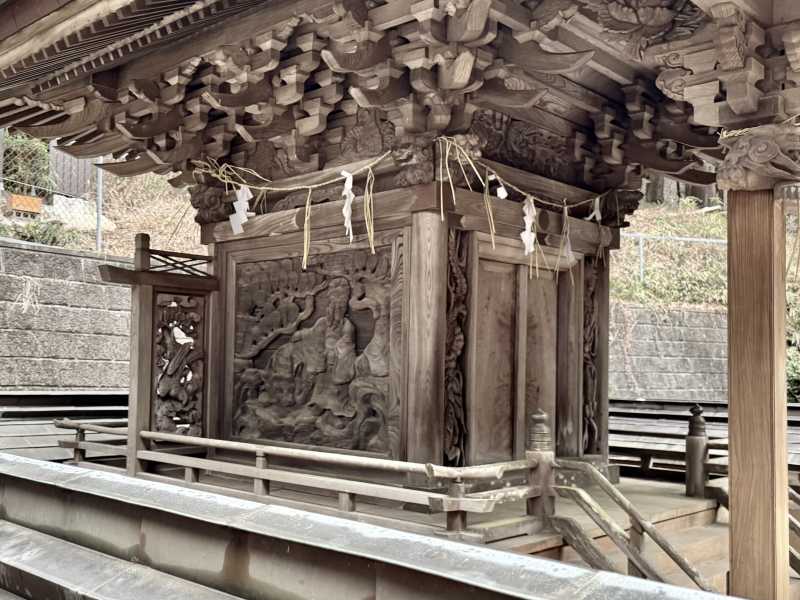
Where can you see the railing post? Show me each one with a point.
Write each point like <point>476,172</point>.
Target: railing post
<point>141,358</point>
<point>261,486</point>
<point>696,453</point>
<point>636,536</point>
<point>541,474</point>
<point>456,519</point>
<point>347,502</point>
<point>78,453</point>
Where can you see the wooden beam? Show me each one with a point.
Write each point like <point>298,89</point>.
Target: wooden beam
<point>759,554</point>
<point>158,279</point>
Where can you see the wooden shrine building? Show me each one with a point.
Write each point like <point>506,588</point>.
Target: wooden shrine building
<point>410,209</point>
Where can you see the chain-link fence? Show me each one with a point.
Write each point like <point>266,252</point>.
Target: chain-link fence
<point>52,198</point>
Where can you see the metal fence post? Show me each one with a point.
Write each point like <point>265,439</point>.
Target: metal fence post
<point>641,258</point>
<point>99,206</point>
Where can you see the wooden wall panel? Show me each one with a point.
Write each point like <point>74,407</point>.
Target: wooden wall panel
<point>569,421</point>
<point>491,397</point>
<point>540,390</point>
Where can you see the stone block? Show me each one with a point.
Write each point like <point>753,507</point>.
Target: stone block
<point>36,264</point>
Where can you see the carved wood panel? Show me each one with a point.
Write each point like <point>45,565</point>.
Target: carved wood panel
<point>318,353</point>
<point>179,363</point>
<point>455,419</point>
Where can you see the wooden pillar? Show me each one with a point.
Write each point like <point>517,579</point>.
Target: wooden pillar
<point>427,330</point>
<point>759,541</point>
<point>141,344</point>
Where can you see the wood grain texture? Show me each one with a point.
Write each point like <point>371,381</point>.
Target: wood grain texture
<point>491,397</point>
<point>541,341</point>
<point>141,344</point>
<point>569,399</point>
<point>521,360</point>
<point>427,329</point>
<point>757,389</point>
<point>602,294</point>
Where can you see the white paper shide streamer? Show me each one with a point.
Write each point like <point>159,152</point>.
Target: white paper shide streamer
<point>596,215</point>
<point>240,207</point>
<point>529,216</point>
<point>347,209</point>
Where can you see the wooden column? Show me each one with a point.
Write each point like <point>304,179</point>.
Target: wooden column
<point>426,335</point>
<point>759,546</point>
<point>141,344</point>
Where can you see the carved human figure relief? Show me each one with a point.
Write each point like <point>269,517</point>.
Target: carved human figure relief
<point>313,351</point>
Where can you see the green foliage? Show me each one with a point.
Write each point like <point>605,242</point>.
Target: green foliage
<point>26,166</point>
<point>50,233</point>
<point>792,374</point>
<point>675,272</point>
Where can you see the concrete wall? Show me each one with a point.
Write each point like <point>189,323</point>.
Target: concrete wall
<point>677,353</point>
<point>77,337</point>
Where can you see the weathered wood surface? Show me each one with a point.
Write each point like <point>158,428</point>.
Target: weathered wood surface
<point>492,387</point>
<point>757,391</point>
<point>569,373</point>
<point>427,324</point>
<point>576,537</point>
<point>611,528</point>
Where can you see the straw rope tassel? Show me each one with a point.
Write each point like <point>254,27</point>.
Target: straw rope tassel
<point>307,231</point>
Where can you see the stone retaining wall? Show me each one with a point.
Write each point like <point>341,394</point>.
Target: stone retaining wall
<point>77,335</point>
<point>668,353</point>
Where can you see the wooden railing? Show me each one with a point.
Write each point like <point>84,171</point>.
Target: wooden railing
<point>454,499</point>
<point>630,545</point>
<point>81,445</point>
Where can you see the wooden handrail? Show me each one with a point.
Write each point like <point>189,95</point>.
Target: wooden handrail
<point>626,505</point>
<point>93,427</point>
<point>479,472</point>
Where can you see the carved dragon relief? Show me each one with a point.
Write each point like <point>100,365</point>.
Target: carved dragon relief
<point>760,157</point>
<point>179,364</point>
<point>592,444</point>
<point>313,356</point>
<point>455,422</point>
<point>523,145</point>
<point>639,24</point>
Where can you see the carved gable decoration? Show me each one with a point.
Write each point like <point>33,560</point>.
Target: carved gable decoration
<point>317,351</point>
